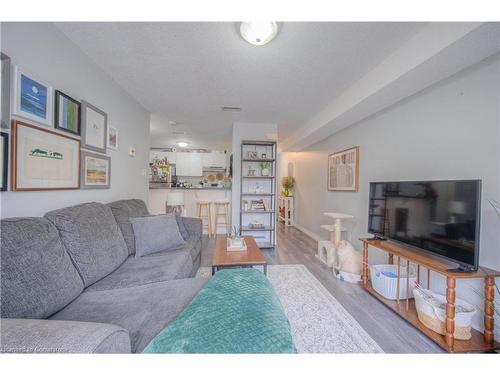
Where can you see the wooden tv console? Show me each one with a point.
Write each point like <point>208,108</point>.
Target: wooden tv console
<point>406,308</point>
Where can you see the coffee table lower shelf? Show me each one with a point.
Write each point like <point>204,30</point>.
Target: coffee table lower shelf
<point>475,344</point>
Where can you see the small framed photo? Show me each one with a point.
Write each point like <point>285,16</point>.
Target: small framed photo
<point>43,159</point>
<point>113,138</point>
<point>4,162</point>
<point>343,170</point>
<point>95,171</point>
<point>67,113</point>
<point>94,128</point>
<point>263,156</point>
<point>32,99</point>
<point>5,92</point>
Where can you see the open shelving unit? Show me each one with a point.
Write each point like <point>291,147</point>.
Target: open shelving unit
<point>258,187</point>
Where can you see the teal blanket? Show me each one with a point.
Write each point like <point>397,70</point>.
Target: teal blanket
<point>236,312</point>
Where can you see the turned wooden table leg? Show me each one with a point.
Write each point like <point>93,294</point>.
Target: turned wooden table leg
<point>450,311</point>
<point>489,296</point>
<point>365,264</point>
<point>391,258</point>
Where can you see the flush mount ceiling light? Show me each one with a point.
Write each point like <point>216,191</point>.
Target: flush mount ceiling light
<point>258,33</point>
<point>182,144</point>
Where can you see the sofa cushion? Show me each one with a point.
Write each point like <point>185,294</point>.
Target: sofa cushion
<point>92,238</point>
<point>37,275</point>
<point>163,266</point>
<point>182,227</point>
<point>142,310</point>
<point>123,210</point>
<point>156,233</point>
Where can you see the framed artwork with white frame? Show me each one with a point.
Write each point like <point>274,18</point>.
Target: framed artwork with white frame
<point>112,138</point>
<point>31,98</point>
<point>343,170</point>
<point>94,127</point>
<point>95,171</point>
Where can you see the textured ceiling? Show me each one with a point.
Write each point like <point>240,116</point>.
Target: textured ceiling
<point>186,71</point>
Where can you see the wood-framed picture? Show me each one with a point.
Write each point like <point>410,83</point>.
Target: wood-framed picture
<point>94,127</point>
<point>343,170</point>
<point>5,92</point>
<point>32,99</point>
<point>4,162</point>
<point>112,138</point>
<point>43,159</point>
<point>95,171</point>
<point>67,113</point>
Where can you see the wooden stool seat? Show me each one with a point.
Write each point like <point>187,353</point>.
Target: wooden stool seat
<point>223,216</point>
<point>204,212</point>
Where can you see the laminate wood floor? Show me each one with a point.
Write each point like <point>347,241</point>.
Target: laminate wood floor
<point>393,334</point>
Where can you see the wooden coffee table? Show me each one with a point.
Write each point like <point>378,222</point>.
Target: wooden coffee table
<point>229,259</point>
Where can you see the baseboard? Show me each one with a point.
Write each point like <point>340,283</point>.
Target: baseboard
<point>308,232</point>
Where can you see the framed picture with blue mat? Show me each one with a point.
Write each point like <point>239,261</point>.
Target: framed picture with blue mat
<point>32,99</point>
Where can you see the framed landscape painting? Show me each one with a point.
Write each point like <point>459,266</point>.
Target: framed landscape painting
<point>32,99</point>
<point>95,171</point>
<point>343,170</point>
<point>43,159</point>
<point>94,128</point>
<point>4,162</point>
<point>67,113</point>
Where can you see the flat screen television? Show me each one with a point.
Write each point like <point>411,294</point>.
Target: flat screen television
<point>441,217</point>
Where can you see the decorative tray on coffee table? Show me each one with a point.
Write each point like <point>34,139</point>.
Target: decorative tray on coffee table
<point>239,246</point>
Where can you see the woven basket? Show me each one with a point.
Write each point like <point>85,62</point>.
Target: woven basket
<point>433,317</point>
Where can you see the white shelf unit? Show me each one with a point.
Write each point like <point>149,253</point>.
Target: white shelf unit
<point>258,187</point>
<point>286,212</point>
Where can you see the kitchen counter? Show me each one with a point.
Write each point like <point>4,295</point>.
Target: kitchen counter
<point>161,185</point>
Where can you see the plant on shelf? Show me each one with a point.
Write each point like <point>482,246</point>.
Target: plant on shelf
<point>287,183</point>
<point>264,168</point>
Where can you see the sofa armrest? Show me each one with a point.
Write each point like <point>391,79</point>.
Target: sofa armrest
<point>61,336</point>
<point>193,226</point>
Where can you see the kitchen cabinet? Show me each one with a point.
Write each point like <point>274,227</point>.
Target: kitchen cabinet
<point>189,164</point>
<point>215,159</point>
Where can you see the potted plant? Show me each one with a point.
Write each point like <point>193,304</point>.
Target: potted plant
<point>287,183</point>
<point>264,168</point>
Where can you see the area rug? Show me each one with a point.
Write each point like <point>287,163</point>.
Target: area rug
<point>319,322</point>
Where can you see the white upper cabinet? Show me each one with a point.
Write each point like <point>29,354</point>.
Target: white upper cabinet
<point>189,164</point>
<point>215,159</point>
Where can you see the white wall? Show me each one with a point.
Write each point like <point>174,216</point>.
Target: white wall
<point>246,131</point>
<point>46,53</point>
<point>449,131</point>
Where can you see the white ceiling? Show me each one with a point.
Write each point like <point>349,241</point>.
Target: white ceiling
<point>185,72</point>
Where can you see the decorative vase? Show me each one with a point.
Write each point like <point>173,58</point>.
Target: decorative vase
<point>264,172</point>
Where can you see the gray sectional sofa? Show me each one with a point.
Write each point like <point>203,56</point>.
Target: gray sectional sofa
<point>70,282</point>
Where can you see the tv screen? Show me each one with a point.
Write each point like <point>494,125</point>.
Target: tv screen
<point>441,217</point>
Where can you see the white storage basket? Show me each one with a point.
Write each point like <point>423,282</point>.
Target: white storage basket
<point>384,280</point>
<point>431,311</point>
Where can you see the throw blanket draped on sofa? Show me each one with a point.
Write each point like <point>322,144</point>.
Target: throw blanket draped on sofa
<point>237,311</point>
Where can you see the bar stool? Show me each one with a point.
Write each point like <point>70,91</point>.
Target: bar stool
<point>204,212</point>
<point>224,215</point>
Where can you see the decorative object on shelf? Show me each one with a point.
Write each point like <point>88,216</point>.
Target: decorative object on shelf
<point>5,90</point>
<point>343,170</point>
<point>263,156</point>
<point>4,162</point>
<point>255,225</point>
<point>431,311</point>
<point>264,168</point>
<point>251,155</point>
<point>94,128</point>
<point>113,138</point>
<point>43,159</point>
<point>95,171</point>
<point>258,189</point>
<point>67,113</point>
<point>251,172</point>
<point>32,99</point>
<point>287,183</point>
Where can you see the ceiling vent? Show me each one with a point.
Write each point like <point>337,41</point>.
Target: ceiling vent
<point>177,132</point>
<point>230,109</point>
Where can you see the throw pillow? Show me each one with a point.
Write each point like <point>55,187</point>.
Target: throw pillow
<point>182,227</point>
<point>156,233</point>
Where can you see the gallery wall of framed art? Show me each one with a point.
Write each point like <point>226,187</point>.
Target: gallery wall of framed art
<point>43,159</point>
